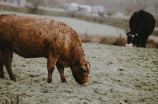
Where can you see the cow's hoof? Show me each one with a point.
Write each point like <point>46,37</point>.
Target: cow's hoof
<point>63,81</point>
<point>13,78</point>
<point>49,80</point>
<point>1,75</point>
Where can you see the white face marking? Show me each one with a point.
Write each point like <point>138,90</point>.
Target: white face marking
<point>129,45</point>
<point>132,36</point>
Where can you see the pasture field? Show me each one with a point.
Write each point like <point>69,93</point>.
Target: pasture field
<point>119,75</point>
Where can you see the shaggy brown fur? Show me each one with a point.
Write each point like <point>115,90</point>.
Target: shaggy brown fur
<point>32,36</point>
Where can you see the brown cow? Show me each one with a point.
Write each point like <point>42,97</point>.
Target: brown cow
<point>33,36</point>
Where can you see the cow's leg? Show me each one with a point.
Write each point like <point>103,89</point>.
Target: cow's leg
<point>51,62</point>
<point>61,71</point>
<point>7,54</point>
<point>138,43</point>
<point>1,66</point>
<point>143,42</point>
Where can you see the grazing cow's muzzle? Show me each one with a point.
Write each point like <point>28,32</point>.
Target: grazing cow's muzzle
<point>129,45</point>
<point>85,84</point>
<point>80,73</point>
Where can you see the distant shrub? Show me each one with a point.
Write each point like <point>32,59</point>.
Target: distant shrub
<point>12,99</point>
<point>152,44</point>
<point>113,40</point>
<point>93,38</point>
<point>110,40</point>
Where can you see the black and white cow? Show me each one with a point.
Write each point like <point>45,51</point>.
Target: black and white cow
<point>142,25</point>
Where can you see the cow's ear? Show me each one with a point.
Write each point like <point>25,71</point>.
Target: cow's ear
<point>127,34</point>
<point>86,65</point>
<point>127,31</point>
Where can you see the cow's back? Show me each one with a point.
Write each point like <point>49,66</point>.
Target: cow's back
<point>32,36</point>
<point>142,22</point>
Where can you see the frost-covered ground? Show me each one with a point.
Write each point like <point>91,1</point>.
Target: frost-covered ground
<point>119,75</point>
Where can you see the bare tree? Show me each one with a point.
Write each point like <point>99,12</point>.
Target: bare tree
<point>35,5</point>
<point>156,6</point>
<point>143,4</point>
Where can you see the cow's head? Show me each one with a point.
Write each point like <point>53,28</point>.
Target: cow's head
<point>132,38</point>
<point>81,72</point>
